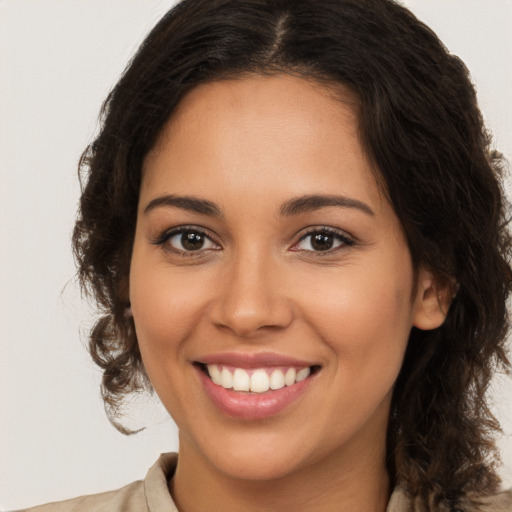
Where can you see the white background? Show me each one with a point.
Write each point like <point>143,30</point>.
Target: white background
<point>58,60</point>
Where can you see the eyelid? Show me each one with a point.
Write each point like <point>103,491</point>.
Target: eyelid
<point>167,234</point>
<point>346,239</point>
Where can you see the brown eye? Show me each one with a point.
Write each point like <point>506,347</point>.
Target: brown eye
<point>192,241</point>
<point>323,240</point>
<point>187,241</point>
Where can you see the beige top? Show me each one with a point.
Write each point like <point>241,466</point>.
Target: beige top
<point>152,495</point>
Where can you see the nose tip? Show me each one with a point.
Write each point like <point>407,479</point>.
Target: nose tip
<point>246,322</point>
<point>250,302</point>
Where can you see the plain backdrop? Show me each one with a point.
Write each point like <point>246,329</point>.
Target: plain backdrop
<point>58,60</point>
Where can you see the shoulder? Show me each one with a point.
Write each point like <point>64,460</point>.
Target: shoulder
<point>130,496</point>
<point>148,495</point>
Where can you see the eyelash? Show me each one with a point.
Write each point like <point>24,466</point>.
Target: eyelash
<point>163,239</point>
<point>343,238</point>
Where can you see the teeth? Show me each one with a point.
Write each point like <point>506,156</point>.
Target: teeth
<point>256,381</point>
<point>302,374</point>
<point>289,378</point>
<point>214,372</point>
<point>277,380</point>
<point>226,379</point>
<point>241,380</point>
<point>260,381</point>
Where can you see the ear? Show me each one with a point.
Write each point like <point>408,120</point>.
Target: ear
<point>123,291</point>
<point>432,300</point>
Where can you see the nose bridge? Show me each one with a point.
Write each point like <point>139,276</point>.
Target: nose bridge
<point>251,297</point>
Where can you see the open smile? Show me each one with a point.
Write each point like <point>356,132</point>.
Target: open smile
<point>257,380</point>
<point>252,392</point>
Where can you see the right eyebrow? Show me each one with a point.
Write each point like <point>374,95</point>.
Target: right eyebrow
<point>309,203</point>
<point>190,203</point>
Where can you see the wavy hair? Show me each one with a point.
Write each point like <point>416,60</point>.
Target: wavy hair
<point>421,127</point>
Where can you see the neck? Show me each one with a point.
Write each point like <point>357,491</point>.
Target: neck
<point>353,478</point>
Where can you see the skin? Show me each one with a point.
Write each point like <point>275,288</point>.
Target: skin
<point>249,146</point>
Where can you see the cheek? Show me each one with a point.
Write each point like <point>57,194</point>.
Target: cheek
<point>152,300</point>
<point>165,312</point>
<point>365,318</point>
<point>367,333</point>
<point>165,306</point>
<point>161,296</point>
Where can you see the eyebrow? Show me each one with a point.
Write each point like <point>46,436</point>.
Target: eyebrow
<point>295,206</point>
<point>310,203</point>
<point>192,204</point>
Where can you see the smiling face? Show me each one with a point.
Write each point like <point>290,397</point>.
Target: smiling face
<point>266,254</point>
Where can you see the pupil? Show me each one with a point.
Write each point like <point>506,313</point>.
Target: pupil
<point>192,241</point>
<point>322,242</point>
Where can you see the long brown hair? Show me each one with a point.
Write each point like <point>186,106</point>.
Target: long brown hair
<point>421,127</point>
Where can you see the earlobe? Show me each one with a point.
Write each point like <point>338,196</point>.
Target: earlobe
<point>432,301</point>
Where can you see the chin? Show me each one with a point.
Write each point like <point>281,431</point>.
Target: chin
<point>257,466</point>
<point>264,455</point>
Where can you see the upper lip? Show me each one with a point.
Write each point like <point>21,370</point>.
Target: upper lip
<point>258,360</point>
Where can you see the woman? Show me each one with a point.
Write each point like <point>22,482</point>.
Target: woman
<point>294,225</point>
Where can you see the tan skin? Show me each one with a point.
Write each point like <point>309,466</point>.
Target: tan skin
<point>256,282</point>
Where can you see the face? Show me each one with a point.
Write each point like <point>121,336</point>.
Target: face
<point>265,255</point>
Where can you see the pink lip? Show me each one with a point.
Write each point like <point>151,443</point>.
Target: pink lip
<point>252,406</point>
<point>259,360</point>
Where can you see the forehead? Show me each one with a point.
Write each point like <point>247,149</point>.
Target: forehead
<point>282,131</point>
<point>275,93</point>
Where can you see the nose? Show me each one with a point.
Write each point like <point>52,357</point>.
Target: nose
<point>251,298</point>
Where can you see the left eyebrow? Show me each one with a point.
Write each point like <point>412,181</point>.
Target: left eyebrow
<point>304,204</point>
<point>193,204</point>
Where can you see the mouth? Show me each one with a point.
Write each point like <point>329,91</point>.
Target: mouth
<point>265,379</point>
<point>257,393</point>
<point>256,386</point>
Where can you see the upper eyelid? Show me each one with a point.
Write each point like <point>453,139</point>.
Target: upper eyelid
<point>334,231</point>
<point>170,232</point>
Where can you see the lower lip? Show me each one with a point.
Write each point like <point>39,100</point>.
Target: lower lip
<point>252,406</point>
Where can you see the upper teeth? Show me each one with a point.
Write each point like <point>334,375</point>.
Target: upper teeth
<point>257,381</point>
